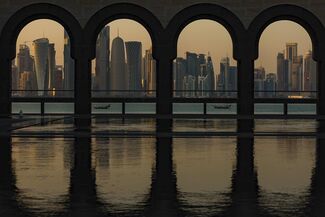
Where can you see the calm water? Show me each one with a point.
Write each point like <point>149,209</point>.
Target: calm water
<point>149,176</point>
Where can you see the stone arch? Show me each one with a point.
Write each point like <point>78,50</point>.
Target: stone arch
<point>293,13</point>
<point>206,11</point>
<point>122,11</point>
<point>13,27</point>
<point>33,12</point>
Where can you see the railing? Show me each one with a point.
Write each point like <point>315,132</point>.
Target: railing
<point>123,93</point>
<point>285,94</point>
<point>139,105</point>
<point>42,93</point>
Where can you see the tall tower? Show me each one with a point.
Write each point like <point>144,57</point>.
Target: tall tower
<point>24,60</point>
<point>281,72</point>
<point>210,74</point>
<point>193,69</point>
<point>134,56</point>
<point>41,47</point>
<point>291,51</point>
<point>118,77</point>
<point>68,68</point>
<point>296,77</point>
<point>224,74</point>
<point>309,73</point>
<point>149,75</point>
<point>102,60</point>
<point>180,70</point>
<point>51,66</point>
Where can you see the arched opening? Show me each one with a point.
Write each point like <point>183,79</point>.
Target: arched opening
<point>285,69</point>
<point>43,69</point>
<point>123,68</point>
<point>205,67</point>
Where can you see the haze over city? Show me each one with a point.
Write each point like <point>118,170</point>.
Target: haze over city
<point>200,36</point>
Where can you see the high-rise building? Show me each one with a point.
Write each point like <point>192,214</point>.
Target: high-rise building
<point>58,81</point>
<point>232,81</point>
<point>14,78</point>
<point>270,85</point>
<point>259,77</point>
<point>291,51</point>
<point>309,74</point>
<point>281,72</point>
<point>224,75</point>
<point>259,73</point>
<point>259,87</point>
<point>41,47</point>
<point>211,76</point>
<point>25,61</point>
<point>296,76</point>
<point>149,73</point>
<point>102,61</point>
<point>189,82</point>
<point>118,77</point>
<point>180,72</point>
<point>134,55</point>
<point>51,66</point>
<point>27,82</point>
<point>193,67</point>
<point>68,68</point>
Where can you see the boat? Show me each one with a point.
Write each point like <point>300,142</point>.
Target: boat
<point>103,107</point>
<point>227,106</point>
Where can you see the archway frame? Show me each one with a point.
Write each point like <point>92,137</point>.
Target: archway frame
<point>310,23</point>
<point>11,31</point>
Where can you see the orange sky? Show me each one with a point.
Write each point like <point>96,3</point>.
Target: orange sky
<point>200,36</point>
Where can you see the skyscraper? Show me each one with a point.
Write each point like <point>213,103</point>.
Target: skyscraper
<point>270,85</point>
<point>149,72</point>
<point>259,77</point>
<point>14,78</point>
<point>51,66</point>
<point>224,74</point>
<point>309,74</point>
<point>180,71</point>
<point>102,60</point>
<point>296,77</point>
<point>68,68</point>
<point>134,55</point>
<point>232,81</point>
<point>25,62</point>
<point>193,68</point>
<point>210,74</point>
<point>281,72</point>
<point>41,47</point>
<point>291,51</point>
<point>118,77</point>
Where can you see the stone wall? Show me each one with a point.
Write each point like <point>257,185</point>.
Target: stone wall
<point>164,10</point>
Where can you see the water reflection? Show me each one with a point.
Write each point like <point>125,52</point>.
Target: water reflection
<point>273,176</point>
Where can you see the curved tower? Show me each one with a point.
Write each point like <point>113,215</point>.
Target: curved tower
<point>41,47</point>
<point>118,79</point>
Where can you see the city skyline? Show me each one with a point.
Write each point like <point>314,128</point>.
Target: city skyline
<point>190,38</point>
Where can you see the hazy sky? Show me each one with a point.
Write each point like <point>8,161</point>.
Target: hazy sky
<point>200,36</point>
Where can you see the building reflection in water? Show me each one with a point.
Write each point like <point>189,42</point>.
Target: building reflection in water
<point>284,166</point>
<point>163,190</point>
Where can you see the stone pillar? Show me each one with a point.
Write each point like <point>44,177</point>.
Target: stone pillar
<point>5,87</point>
<point>82,89</point>
<point>164,84</point>
<point>245,107</point>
